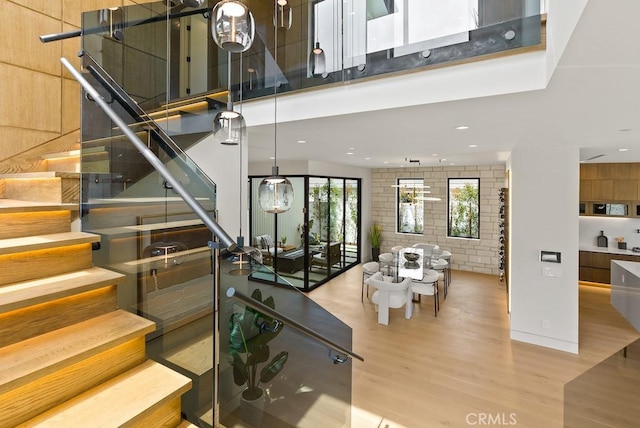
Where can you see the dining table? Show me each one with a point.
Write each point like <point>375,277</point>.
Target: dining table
<point>409,263</point>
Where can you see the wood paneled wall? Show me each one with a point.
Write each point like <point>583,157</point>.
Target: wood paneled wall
<point>38,101</point>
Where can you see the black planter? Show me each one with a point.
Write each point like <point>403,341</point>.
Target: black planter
<point>375,253</point>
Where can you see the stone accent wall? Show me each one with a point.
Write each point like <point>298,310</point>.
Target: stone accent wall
<point>477,255</point>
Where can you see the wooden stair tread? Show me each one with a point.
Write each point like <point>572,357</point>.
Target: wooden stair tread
<point>27,293</point>
<point>22,362</point>
<point>208,417</point>
<point>67,154</point>
<point>195,356</point>
<point>30,243</point>
<point>142,265</point>
<point>40,175</point>
<point>118,402</point>
<point>125,230</point>
<point>14,205</point>
<point>25,175</point>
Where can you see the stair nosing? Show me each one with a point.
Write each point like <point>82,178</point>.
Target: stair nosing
<point>15,205</point>
<point>29,293</point>
<point>40,242</point>
<point>81,409</point>
<point>21,363</point>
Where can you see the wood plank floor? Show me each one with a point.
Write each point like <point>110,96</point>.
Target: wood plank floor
<point>453,369</point>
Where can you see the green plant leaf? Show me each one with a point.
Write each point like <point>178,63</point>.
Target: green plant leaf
<point>240,370</point>
<point>274,367</point>
<point>260,355</point>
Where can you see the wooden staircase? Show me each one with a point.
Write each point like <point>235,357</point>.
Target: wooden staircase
<point>68,355</point>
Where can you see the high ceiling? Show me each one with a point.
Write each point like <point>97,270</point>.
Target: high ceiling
<point>592,101</point>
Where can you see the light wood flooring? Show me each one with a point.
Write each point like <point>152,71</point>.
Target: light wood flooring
<point>462,366</point>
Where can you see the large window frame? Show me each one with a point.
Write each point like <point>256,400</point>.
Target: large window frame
<point>410,206</point>
<point>463,207</point>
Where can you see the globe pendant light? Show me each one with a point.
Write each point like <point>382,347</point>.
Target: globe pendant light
<point>283,17</point>
<point>275,193</point>
<point>232,26</point>
<point>229,126</point>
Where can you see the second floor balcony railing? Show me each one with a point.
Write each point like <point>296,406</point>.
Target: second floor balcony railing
<point>166,53</point>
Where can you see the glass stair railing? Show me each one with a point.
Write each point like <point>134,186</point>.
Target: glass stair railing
<point>162,54</point>
<point>284,360</point>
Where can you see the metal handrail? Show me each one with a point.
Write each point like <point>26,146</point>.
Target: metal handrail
<point>301,328</point>
<point>46,38</point>
<point>198,209</point>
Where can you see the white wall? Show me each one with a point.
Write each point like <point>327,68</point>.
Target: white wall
<point>222,165</point>
<point>544,198</point>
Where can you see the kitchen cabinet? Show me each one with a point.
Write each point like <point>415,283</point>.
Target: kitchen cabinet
<point>625,190</point>
<point>602,190</point>
<point>596,266</point>
<point>610,183</point>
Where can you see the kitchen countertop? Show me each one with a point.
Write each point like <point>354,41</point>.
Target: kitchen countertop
<point>631,267</point>
<point>610,250</point>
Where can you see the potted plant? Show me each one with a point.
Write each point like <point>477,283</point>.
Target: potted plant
<point>283,241</point>
<point>621,244</point>
<point>375,238</point>
<point>250,334</point>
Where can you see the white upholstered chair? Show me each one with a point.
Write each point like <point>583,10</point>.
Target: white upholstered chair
<point>368,269</point>
<point>390,295</point>
<point>396,250</point>
<point>428,286</point>
<point>386,260</point>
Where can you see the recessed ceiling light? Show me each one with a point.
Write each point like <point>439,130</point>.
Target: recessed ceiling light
<point>434,154</point>
<point>302,142</point>
<point>349,153</point>
<point>385,162</point>
<point>443,160</point>
<point>367,158</point>
<point>352,148</point>
<point>623,150</point>
<point>473,145</point>
<point>461,127</point>
<point>272,158</point>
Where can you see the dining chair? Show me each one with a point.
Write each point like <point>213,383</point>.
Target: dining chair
<point>442,267</point>
<point>392,295</point>
<point>396,250</point>
<point>386,259</point>
<point>427,286</point>
<point>448,256</point>
<point>368,269</point>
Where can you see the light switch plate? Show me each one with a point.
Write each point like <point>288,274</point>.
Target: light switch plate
<point>552,271</point>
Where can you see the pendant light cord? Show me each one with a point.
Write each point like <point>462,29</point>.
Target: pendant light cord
<point>275,93</point>
<point>241,139</point>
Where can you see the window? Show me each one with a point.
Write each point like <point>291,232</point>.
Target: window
<point>464,208</point>
<point>410,212</point>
